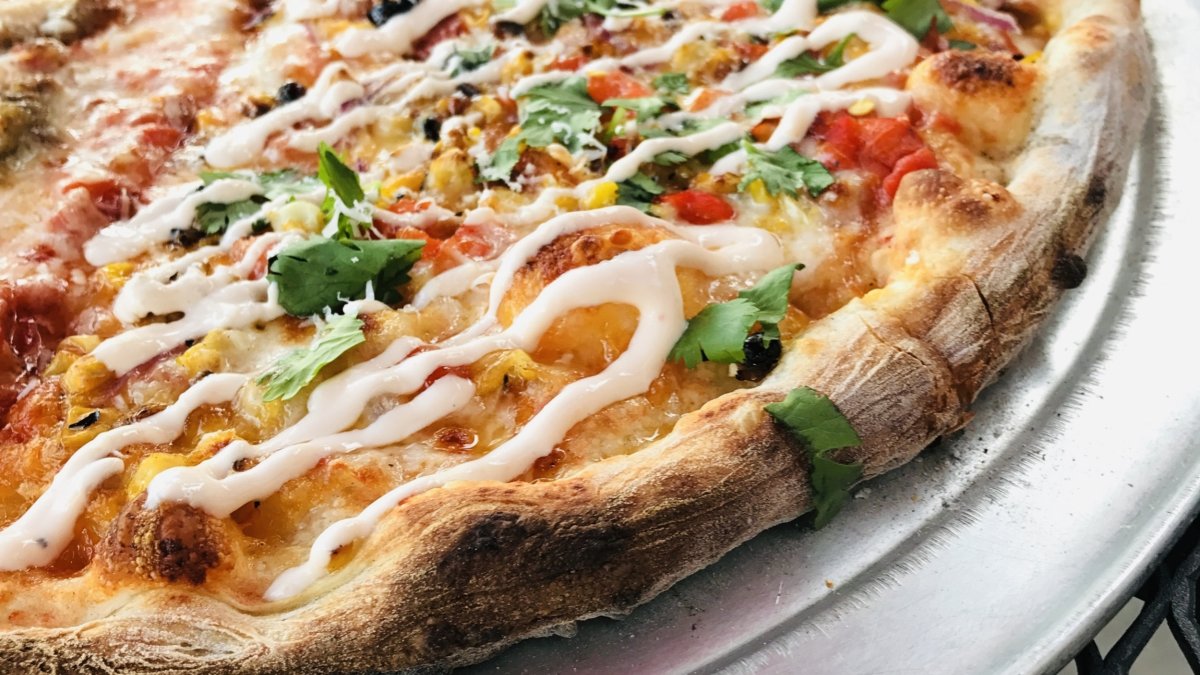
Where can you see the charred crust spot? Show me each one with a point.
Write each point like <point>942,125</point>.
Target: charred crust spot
<point>589,248</point>
<point>455,439</point>
<point>970,72</point>
<point>540,549</point>
<point>1069,271</point>
<point>174,542</point>
<point>1097,193</point>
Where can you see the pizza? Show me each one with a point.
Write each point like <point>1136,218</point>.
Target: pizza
<point>346,336</point>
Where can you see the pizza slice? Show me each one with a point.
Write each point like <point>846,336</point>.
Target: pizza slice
<point>347,336</point>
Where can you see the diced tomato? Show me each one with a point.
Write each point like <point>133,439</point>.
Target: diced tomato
<point>568,62</point>
<point>470,242</point>
<point>449,27</point>
<point>887,148</point>
<point>885,142</point>
<point>921,159</point>
<point>699,208</point>
<point>442,371</point>
<point>750,51</point>
<point>740,10</point>
<point>616,84</point>
<point>705,98</point>
<point>763,130</point>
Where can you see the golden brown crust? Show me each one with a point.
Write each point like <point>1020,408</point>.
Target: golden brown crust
<point>448,577</point>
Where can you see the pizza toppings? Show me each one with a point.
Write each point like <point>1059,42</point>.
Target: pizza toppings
<point>486,159</point>
<point>817,423</point>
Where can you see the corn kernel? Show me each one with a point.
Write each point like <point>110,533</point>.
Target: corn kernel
<point>516,67</point>
<point>862,107</point>
<point>83,424</point>
<point>118,273</point>
<point>489,107</point>
<point>86,374</point>
<point>206,355</point>
<point>452,173</point>
<point>394,186</point>
<point>605,194</point>
<point>503,367</point>
<point>297,216</point>
<point>759,192</point>
<point>1032,58</point>
<point>206,119</point>
<point>474,133</point>
<point>152,465</point>
<point>69,350</point>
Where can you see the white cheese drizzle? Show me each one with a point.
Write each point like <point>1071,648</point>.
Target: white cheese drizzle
<point>42,532</point>
<point>334,106</point>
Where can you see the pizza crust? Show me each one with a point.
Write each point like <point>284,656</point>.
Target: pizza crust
<point>456,574</point>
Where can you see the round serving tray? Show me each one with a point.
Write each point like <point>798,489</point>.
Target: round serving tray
<point>1005,547</point>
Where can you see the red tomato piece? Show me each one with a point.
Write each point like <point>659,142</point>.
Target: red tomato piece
<point>921,159</point>
<point>470,242</point>
<point>568,62</point>
<point>616,84</point>
<point>740,10</point>
<point>449,27</point>
<point>885,142</point>
<point>699,208</point>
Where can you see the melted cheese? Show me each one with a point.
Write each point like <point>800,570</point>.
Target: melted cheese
<point>210,297</point>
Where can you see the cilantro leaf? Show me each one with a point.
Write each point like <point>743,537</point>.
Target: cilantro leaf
<point>814,420</point>
<point>770,294</point>
<point>294,370</point>
<point>645,107</point>
<point>558,12</point>
<point>717,333</point>
<point>342,184</point>
<point>215,218</point>
<point>466,60</point>
<point>771,6</point>
<point>916,16</point>
<point>806,64</point>
<point>338,177</point>
<point>672,84</point>
<point>670,158</point>
<point>639,191</point>
<point>561,112</point>
<point>784,171</point>
<point>755,109</point>
<point>500,165</point>
<point>320,273</point>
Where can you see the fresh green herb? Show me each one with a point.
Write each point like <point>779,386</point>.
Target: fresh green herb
<point>499,6</point>
<point>639,191</point>
<point>785,171</point>
<point>294,370</point>
<point>558,12</point>
<point>645,107</point>
<point>672,84</point>
<point>338,177</point>
<point>342,183</point>
<point>963,45</point>
<point>552,113</point>
<point>718,332</point>
<point>817,423</point>
<point>807,64</point>
<point>500,165</point>
<point>771,6</point>
<point>755,109</point>
<point>467,60</point>
<point>323,273</point>
<point>916,16</point>
<point>215,217</point>
<point>670,158</point>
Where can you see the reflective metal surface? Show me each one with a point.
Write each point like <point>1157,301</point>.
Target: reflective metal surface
<point>1004,548</point>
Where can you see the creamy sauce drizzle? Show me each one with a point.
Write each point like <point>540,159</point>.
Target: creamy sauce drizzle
<point>335,105</point>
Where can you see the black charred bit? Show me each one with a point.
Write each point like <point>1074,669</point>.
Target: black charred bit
<point>1069,271</point>
<point>761,357</point>
<point>290,92</point>
<point>432,128</point>
<point>85,421</point>
<point>384,11</point>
